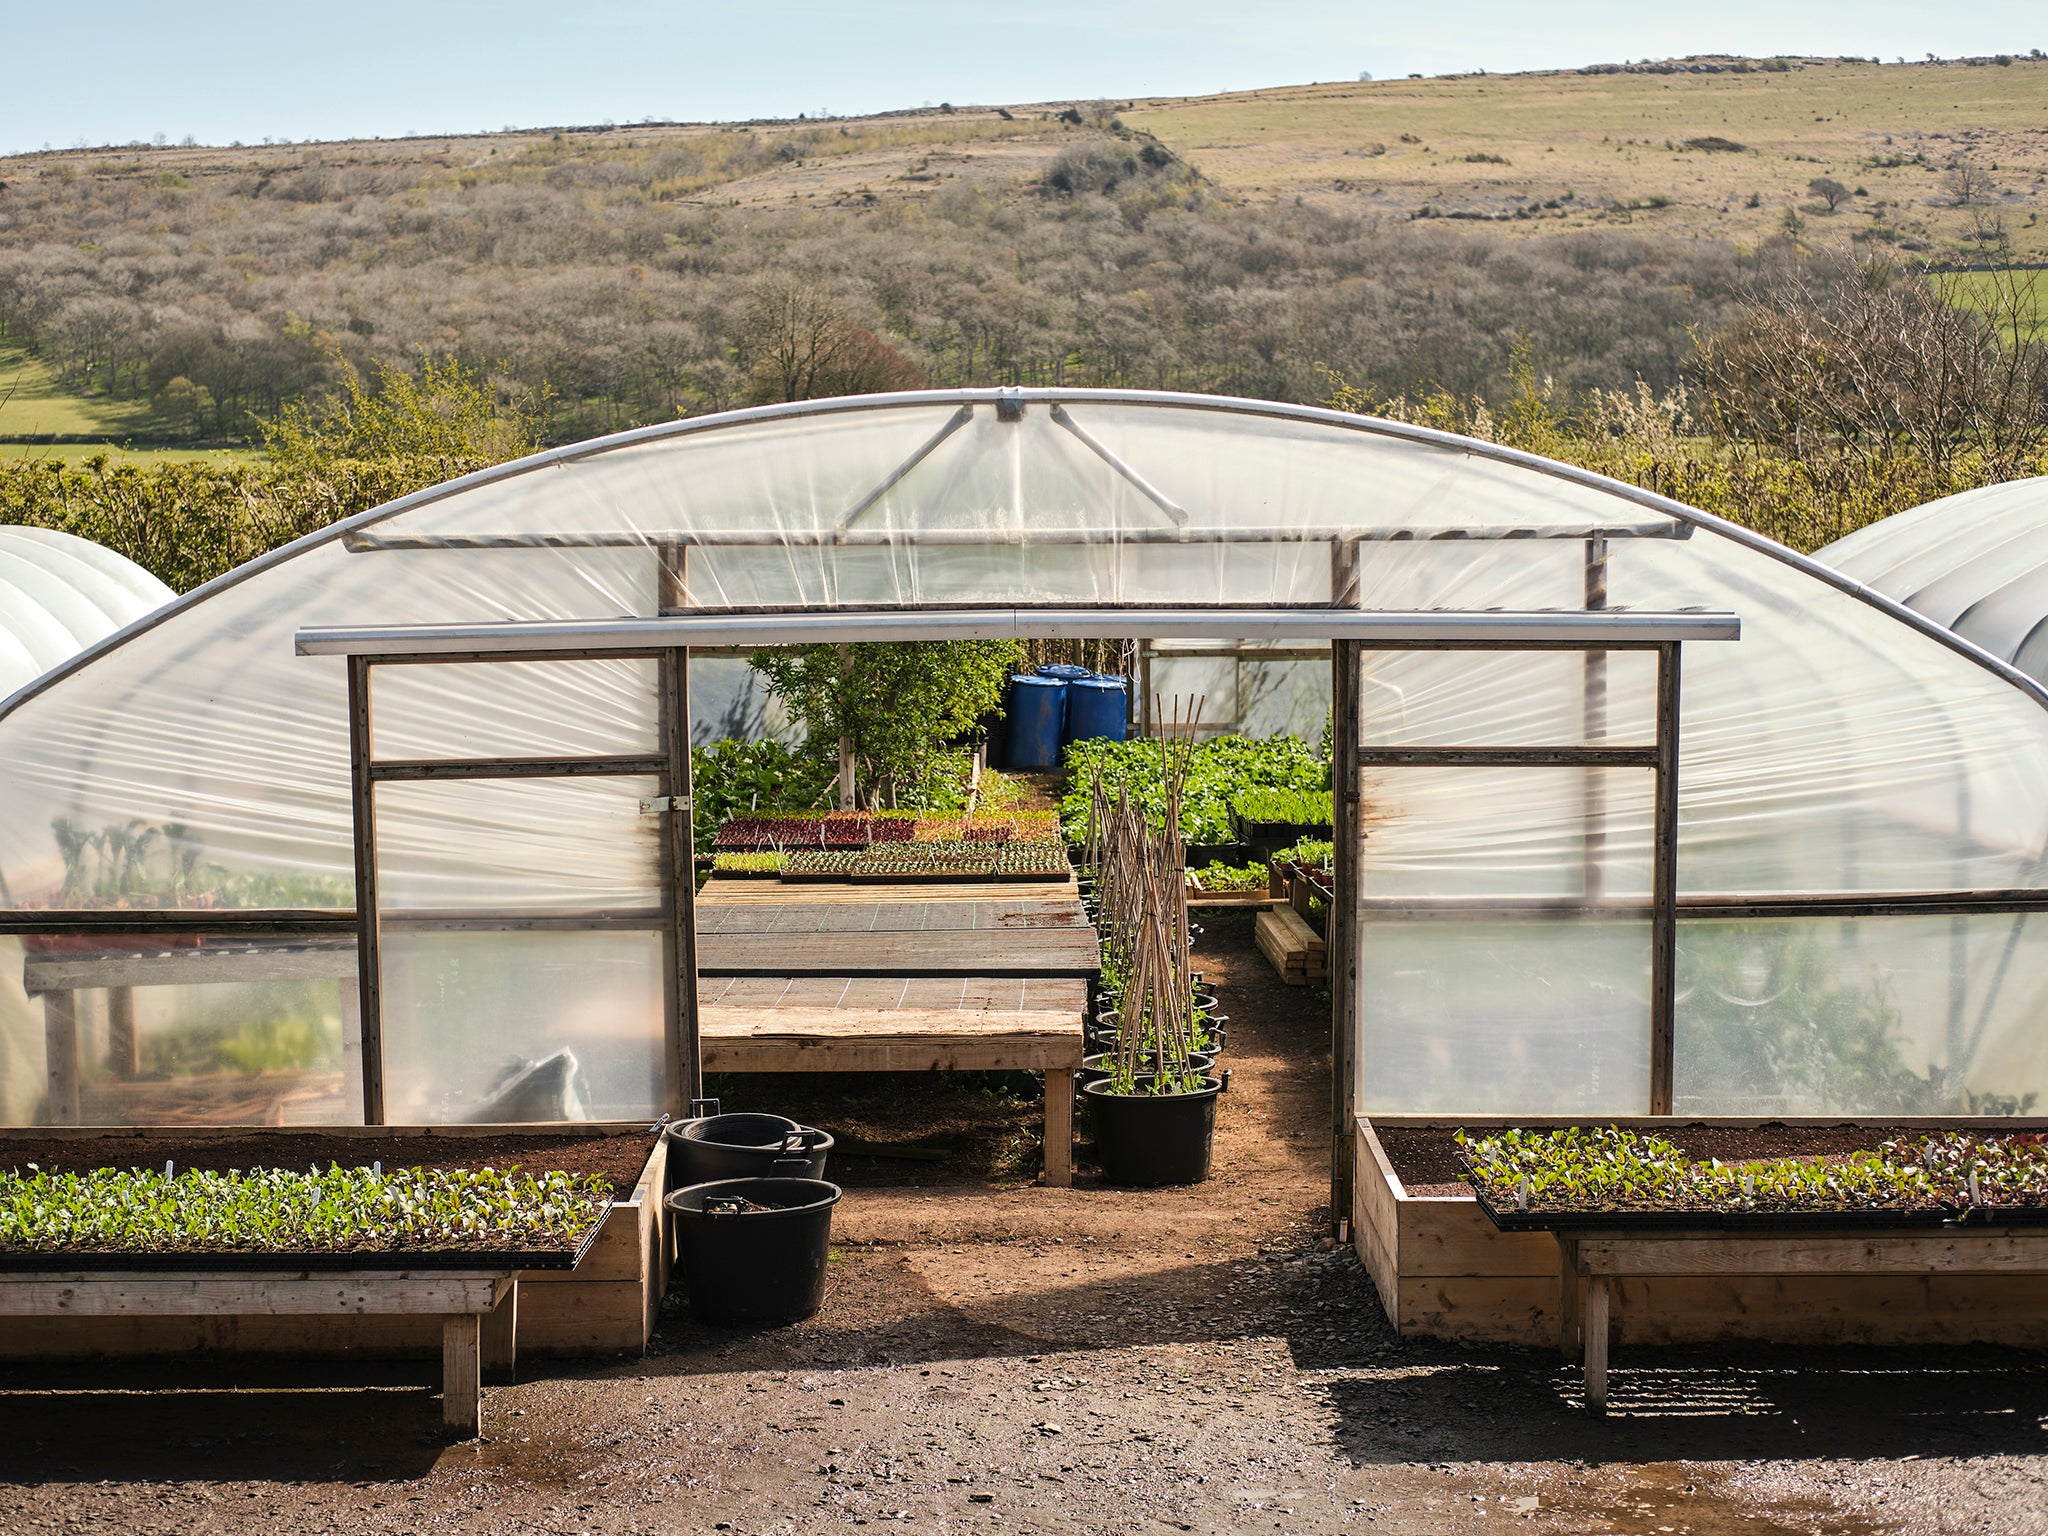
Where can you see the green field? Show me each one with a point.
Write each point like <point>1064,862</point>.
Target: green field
<point>1998,294</point>
<point>33,403</point>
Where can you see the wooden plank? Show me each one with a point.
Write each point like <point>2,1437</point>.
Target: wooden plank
<point>767,892</point>
<point>980,994</point>
<point>734,1024</point>
<point>118,1292</point>
<point>1377,1191</point>
<point>880,1053</point>
<point>1447,1235</point>
<point>600,1318</point>
<point>1298,934</point>
<point>1594,1305</point>
<point>1509,1309</point>
<point>1059,1127</point>
<point>2022,1251</point>
<point>576,1129</point>
<point>124,1058</point>
<point>218,961</point>
<point>1064,952</point>
<point>60,1054</point>
<point>1291,964</point>
<point>1371,1229</point>
<point>888,916</point>
<point>1567,1298</point>
<point>461,1376</point>
<point>498,1340</point>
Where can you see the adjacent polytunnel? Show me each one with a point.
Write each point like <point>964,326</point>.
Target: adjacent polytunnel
<point>59,594</point>
<point>1975,562</point>
<point>1859,844</point>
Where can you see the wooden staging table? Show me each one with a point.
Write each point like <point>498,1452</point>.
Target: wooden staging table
<point>1591,1263</point>
<point>847,978</point>
<point>478,1310</point>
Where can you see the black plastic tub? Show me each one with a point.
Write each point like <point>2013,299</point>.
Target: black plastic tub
<point>754,1250</point>
<point>744,1146</point>
<point>1144,1140</point>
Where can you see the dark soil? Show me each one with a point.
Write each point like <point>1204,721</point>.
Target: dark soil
<point>616,1159</point>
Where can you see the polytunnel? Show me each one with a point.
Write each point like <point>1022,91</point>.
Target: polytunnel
<point>59,594</point>
<point>1636,810</point>
<point>1975,562</point>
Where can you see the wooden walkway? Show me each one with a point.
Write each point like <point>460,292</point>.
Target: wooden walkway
<point>846,978</point>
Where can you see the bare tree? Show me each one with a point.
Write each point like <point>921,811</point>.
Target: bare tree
<point>1966,182</point>
<point>1829,191</point>
<point>1852,369</point>
<point>804,346</point>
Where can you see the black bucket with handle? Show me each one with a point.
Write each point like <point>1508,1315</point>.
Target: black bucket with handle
<point>754,1250</point>
<point>743,1146</point>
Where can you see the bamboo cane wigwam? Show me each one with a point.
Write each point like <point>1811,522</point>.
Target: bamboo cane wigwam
<point>1141,885</point>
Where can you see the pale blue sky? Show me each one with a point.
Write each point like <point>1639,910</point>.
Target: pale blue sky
<point>219,70</point>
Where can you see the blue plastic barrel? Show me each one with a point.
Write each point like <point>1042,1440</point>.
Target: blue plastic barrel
<point>1065,671</point>
<point>1038,712</point>
<point>1095,708</point>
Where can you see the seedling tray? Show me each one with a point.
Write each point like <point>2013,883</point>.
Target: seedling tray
<point>1932,1218</point>
<point>297,1261</point>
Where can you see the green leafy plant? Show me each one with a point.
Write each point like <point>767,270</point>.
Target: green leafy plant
<point>1287,807</point>
<point>339,1210</point>
<point>1223,877</point>
<point>747,863</point>
<point>1220,771</point>
<point>1592,1170</point>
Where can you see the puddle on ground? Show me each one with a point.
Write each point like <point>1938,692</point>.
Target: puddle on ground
<point>1661,1499</point>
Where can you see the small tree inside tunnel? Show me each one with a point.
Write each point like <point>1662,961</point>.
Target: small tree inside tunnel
<point>896,706</point>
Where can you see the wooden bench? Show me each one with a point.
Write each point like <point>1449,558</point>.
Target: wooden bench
<point>478,1309</point>
<point>1591,1263</point>
<point>741,1038</point>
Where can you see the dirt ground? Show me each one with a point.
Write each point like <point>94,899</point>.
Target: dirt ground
<point>993,1356</point>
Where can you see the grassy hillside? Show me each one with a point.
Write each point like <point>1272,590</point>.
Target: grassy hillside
<point>1583,150</point>
<point>1403,233</point>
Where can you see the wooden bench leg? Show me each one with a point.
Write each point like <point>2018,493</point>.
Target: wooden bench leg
<point>461,1387</point>
<point>500,1342</point>
<point>1568,1291</point>
<point>1059,1127</point>
<point>1599,1295</point>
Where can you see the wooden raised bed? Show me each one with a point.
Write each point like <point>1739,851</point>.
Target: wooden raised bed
<point>1442,1269</point>
<point>605,1304</point>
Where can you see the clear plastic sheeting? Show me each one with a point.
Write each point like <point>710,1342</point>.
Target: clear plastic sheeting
<point>486,1027</point>
<point>1862,1016</point>
<point>1841,746</point>
<point>1976,563</point>
<point>1543,1016</point>
<point>200,1029</point>
<point>59,594</point>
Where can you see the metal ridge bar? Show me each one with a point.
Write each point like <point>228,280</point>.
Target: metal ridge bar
<point>342,921</point>
<point>415,769</point>
<point>357,542</point>
<point>1144,487</point>
<point>1511,757</point>
<point>1608,629</point>
<point>339,920</point>
<point>1708,908</point>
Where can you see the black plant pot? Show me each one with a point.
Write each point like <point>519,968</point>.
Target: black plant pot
<point>1144,1140</point>
<point>753,1250</point>
<point>744,1146</point>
